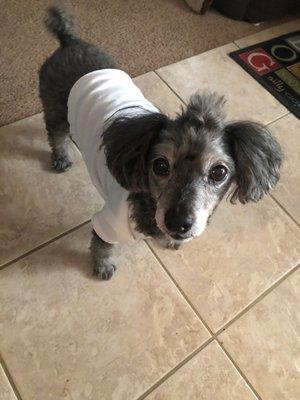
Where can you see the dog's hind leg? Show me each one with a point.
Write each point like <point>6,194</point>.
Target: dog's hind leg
<point>58,137</point>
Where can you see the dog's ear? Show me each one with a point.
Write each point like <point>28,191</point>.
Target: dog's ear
<point>257,157</point>
<point>127,142</point>
<point>205,109</point>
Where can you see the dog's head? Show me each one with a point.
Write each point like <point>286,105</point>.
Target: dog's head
<point>187,164</point>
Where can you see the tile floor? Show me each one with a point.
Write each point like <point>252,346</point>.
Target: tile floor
<point>216,320</point>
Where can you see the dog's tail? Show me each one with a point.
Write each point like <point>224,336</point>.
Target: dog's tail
<point>61,24</point>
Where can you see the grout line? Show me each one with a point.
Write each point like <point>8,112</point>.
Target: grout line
<point>185,103</point>
<point>257,300</point>
<point>235,42</point>
<point>79,226</point>
<point>214,336</point>
<point>41,246</point>
<point>172,371</point>
<point>278,118</point>
<point>9,378</point>
<point>238,315</point>
<point>172,90</point>
<point>244,377</point>
<point>181,291</point>
<point>284,210</point>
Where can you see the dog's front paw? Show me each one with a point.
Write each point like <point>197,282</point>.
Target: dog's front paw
<point>61,163</point>
<point>168,244</point>
<point>173,246</point>
<point>104,270</point>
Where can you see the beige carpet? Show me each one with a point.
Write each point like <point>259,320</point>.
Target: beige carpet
<point>141,34</point>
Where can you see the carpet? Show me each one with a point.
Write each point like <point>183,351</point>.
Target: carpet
<point>275,64</point>
<point>141,35</point>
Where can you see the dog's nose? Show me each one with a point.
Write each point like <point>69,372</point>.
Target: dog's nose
<point>177,221</point>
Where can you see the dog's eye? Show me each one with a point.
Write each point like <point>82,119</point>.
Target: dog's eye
<point>218,173</point>
<point>161,167</point>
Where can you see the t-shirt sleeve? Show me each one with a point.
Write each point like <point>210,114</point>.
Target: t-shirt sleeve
<point>112,224</point>
<point>103,226</point>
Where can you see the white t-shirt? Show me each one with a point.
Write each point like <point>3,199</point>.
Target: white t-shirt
<point>93,99</point>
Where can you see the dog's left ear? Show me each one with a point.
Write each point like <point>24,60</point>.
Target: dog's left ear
<point>257,157</point>
<point>127,142</point>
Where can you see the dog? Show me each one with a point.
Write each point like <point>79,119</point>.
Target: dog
<point>164,177</point>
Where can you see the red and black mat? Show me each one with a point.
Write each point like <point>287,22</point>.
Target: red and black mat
<point>276,65</point>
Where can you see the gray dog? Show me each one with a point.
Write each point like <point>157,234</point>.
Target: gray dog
<point>160,177</point>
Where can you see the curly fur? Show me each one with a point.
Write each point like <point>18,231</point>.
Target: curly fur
<point>61,24</point>
<point>73,59</point>
<point>206,109</point>
<point>172,208</point>
<point>127,142</point>
<point>258,159</point>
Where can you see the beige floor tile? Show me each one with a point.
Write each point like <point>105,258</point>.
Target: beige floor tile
<point>66,335</point>
<point>209,375</point>
<point>6,392</point>
<point>158,93</point>
<point>243,251</point>
<point>287,192</point>
<point>36,203</point>
<point>269,33</point>
<point>216,71</point>
<point>265,342</point>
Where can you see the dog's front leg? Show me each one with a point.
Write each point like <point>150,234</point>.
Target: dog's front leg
<point>167,243</point>
<point>101,252</point>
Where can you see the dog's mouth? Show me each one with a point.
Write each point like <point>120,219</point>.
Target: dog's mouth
<point>179,237</point>
<point>174,236</point>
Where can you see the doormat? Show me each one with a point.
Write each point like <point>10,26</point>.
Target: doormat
<point>275,64</point>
